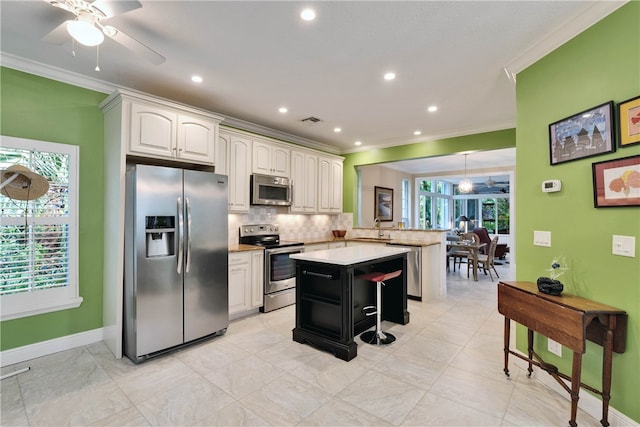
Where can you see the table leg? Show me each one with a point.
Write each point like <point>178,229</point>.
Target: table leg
<point>475,264</point>
<point>530,351</point>
<point>607,359</point>
<point>507,332</point>
<point>575,386</point>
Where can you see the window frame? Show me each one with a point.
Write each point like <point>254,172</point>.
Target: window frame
<point>24,304</point>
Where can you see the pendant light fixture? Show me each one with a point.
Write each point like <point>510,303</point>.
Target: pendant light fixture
<point>465,186</point>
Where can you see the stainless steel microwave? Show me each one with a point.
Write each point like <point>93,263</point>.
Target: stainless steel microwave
<point>270,190</point>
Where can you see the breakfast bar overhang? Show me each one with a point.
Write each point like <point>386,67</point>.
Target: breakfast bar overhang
<point>330,297</point>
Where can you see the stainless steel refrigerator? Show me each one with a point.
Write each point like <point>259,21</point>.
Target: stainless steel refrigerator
<point>176,247</point>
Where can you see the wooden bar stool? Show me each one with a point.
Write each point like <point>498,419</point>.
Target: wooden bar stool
<point>377,337</point>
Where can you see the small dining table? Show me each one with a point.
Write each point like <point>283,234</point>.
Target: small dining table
<point>473,250</point>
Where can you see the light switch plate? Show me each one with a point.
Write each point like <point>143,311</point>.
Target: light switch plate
<point>624,246</point>
<point>542,238</point>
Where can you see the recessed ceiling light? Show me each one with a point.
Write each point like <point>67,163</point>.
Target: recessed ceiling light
<point>283,110</point>
<point>337,130</point>
<point>196,79</point>
<point>432,109</point>
<point>358,142</point>
<point>389,76</point>
<point>308,14</point>
<point>417,132</point>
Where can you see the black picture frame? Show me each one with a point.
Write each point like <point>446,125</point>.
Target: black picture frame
<point>585,134</point>
<point>616,183</point>
<point>383,203</point>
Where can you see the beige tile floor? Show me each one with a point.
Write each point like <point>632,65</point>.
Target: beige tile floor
<point>445,369</point>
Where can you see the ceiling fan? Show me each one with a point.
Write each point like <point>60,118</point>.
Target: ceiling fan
<point>89,29</point>
<point>491,183</point>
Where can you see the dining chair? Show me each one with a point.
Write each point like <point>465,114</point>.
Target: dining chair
<point>486,260</point>
<point>458,254</point>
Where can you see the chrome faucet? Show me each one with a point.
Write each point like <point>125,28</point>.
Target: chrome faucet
<point>376,224</point>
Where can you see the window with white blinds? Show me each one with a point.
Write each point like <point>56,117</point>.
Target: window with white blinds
<point>38,238</point>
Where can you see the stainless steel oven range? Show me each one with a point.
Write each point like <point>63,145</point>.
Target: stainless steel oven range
<point>279,269</point>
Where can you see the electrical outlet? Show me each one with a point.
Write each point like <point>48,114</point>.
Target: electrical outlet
<point>554,347</point>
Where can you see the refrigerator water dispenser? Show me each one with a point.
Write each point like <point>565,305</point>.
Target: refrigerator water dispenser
<point>160,236</point>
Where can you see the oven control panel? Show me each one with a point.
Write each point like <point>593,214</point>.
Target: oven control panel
<point>258,229</point>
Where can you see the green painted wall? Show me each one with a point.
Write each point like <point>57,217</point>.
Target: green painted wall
<point>599,65</point>
<point>36,108</point>
<point>443,147</point>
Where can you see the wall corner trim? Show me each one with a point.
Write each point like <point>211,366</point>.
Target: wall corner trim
<point>44,348</point>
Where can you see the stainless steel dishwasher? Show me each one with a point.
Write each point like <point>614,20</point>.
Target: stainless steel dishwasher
<point>414,273</point>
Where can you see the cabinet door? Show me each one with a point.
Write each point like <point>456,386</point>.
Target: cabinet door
<point>280,161</point>
<point>223,144</point>
<point>336,186</point>
<point>316,247</point>
<point>334,245</point>
<point>239,161</point>
<point>153,131</point>
<point>261,158</point>
<point>257,279</point>
<point>239,286</point>
<point>324,185</point>
<point>298,176</point>
<point>311,184</point>
<point>196,139</point>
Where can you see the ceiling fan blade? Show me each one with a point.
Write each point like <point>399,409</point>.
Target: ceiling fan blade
<point>133,45</point>
<point>60,4</point>
<point>113,7</point>
<point>59,34</point>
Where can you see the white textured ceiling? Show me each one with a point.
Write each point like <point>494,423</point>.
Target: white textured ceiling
<point>256,56</point>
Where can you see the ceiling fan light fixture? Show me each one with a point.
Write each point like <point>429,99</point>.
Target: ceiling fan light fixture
<point>84,32</point>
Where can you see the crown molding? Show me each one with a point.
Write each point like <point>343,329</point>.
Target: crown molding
<point>50,72</point>
<point>509,124</point>
<point>246,126</point>
<point>562,34</point>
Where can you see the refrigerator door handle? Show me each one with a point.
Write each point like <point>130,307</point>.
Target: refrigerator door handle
<point>181,239</point>
<point>188,267</point>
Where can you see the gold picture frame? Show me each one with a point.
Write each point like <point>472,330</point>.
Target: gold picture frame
<point>629,122</point>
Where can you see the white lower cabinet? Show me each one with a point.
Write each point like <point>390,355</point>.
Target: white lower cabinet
<point>334,245</point>
<point>315,247</point>
<point>245,280</point>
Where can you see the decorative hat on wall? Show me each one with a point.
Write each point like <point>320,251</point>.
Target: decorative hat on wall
<point>20,183</point>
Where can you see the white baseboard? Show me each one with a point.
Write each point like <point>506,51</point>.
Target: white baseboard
<point>587,402</point>
<point>31,351</point>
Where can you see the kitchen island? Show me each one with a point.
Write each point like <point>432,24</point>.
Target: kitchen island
<point>330,297</point>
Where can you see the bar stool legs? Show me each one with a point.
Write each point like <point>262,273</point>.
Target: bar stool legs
<point>377,336</point>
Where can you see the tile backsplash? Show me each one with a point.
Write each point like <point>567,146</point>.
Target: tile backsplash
<point>293,227</point>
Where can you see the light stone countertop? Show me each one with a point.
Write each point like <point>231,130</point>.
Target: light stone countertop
<point>349,255</point>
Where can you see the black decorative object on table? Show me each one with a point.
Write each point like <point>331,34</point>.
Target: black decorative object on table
<point>549,286</point>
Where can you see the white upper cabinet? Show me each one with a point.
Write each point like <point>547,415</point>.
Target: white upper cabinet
<point>271,159</point>
<point>160,129</point>
<point>153,131</point>
<point>304,179</point>
<point>238,171</point>
<point>196,139</point>
<point>329,185</point>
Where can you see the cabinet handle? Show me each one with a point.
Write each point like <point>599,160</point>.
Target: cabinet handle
<point>312,273</point>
